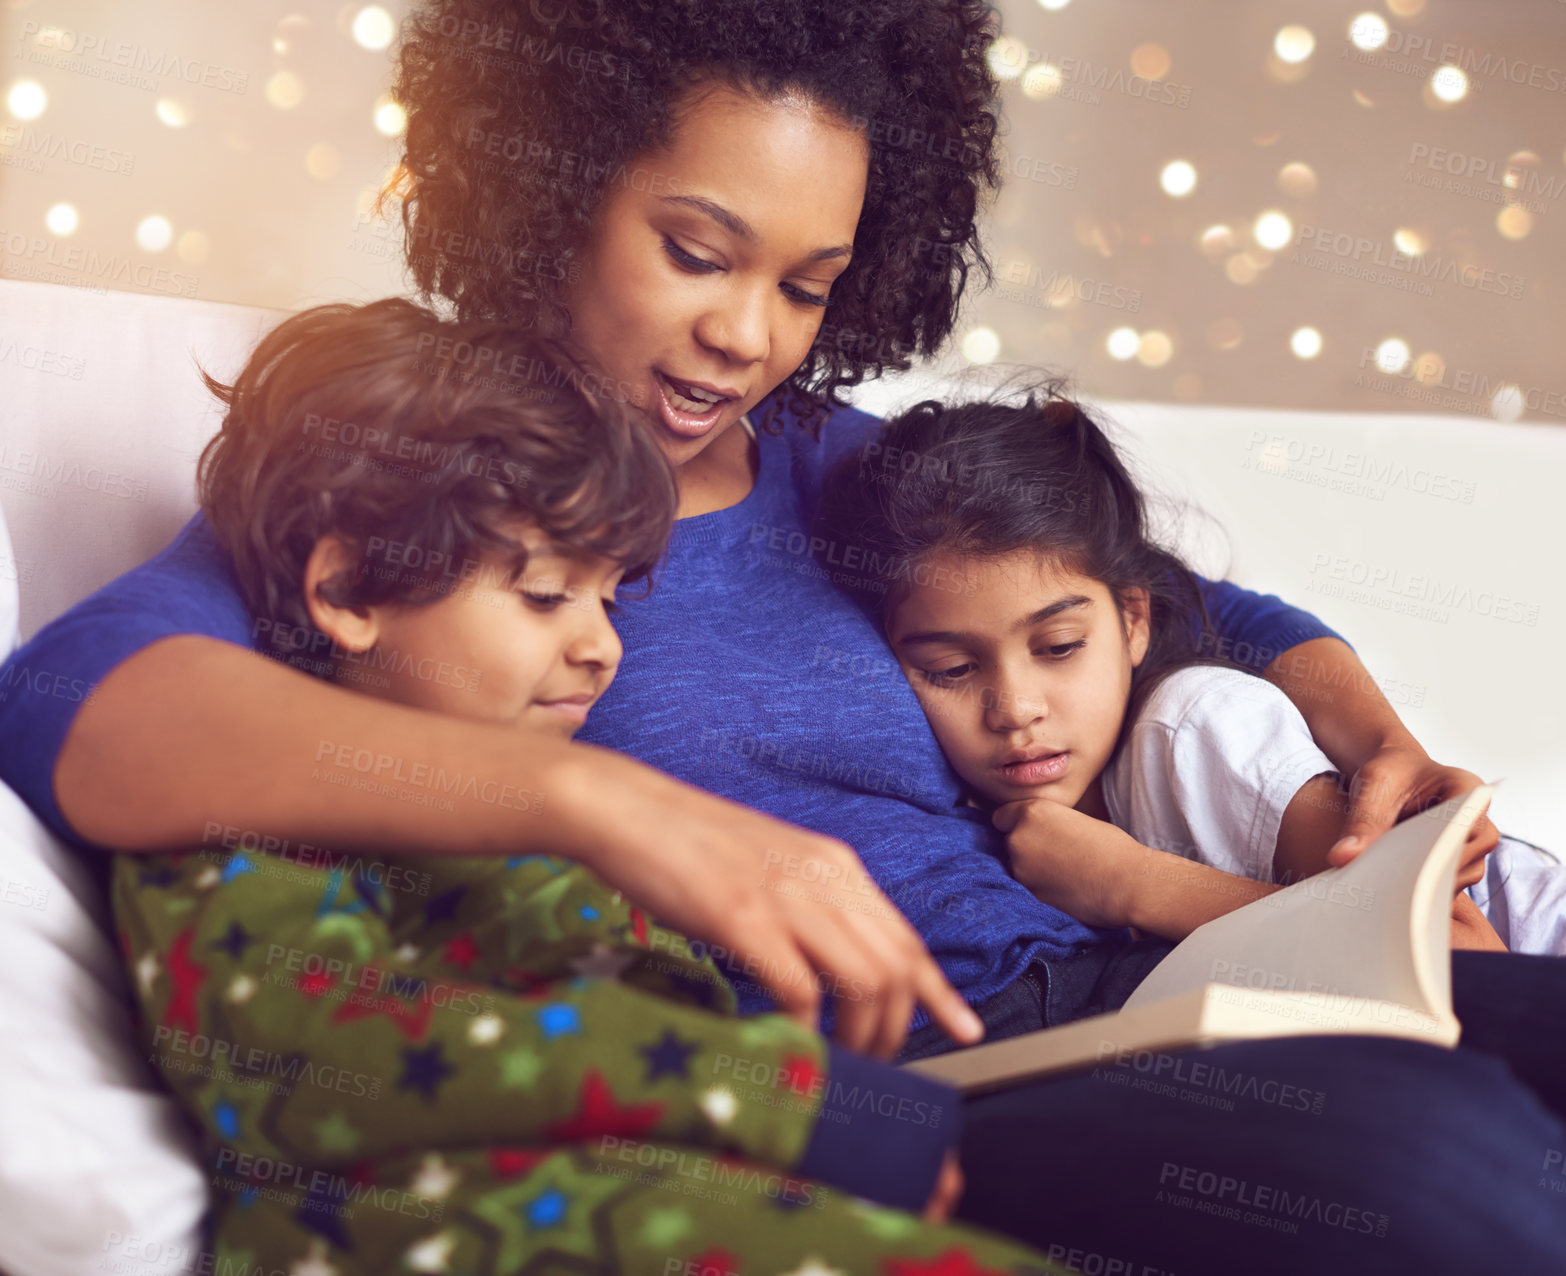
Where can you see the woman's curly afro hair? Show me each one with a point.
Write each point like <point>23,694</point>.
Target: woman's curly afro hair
<point>522,113</point>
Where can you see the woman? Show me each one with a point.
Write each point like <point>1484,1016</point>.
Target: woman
<point>716,200</point>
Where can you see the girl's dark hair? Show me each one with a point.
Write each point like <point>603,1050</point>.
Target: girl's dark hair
<point>522,114</point>
<point>416,440</point>
<point>988,479</point>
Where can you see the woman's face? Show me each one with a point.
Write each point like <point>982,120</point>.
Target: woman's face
<point>709,263</point>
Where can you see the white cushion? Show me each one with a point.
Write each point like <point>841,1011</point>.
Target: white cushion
<point>97,469</point>
<point>98,440</point>
<point>10,580</point>
<point>93,1151</point>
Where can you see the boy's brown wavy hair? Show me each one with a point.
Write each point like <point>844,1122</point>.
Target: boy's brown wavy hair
<point>417,441</point>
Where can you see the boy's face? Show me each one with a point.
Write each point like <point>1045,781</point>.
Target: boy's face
<point>536,653</point>
<point>1022,668</point>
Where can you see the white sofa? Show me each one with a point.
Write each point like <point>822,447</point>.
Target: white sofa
<point>102,416</point>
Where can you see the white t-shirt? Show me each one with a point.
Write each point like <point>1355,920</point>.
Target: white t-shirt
<point>1209,766</point>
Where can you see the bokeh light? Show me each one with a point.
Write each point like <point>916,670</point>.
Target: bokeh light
<point>1507,403</point>
<point>1410,242</point>
<point>1042,80</point>
<point>1294,44</point>
<point>154,233</point>
<point>1178,178</point>
<point>390,118</point>
<point>1150,61</point>
<point>1123,344</point>
<point>1154,349</point>
<point>1518,165</point>
<point>1449,84</point>
<point>1241,269</point>
<point>172,112</point>
<point>1514,221</point>
<point>26,99</point>
<point>1273,230</point>
<point>1217,240</point>
<point>374,28</point>
<point>981,345</point>
<point>1392,355</point>
<point>1369,32</point>
<point>1297,180</point>
<point>193,247</point>
<point>285,90</point>
<point>1007,57</point>
<point>62,219</point>
<point>322,161</point>
<point>1305,343</point>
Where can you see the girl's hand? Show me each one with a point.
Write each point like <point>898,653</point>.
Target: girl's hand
<point>947,1192</point>
<point>1400,780</point>
<point>1078,864</point>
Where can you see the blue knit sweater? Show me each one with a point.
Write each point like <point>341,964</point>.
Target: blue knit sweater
<point>748,672</point>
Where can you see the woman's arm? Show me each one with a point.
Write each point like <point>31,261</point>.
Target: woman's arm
<point>191,737</point>
<point>1351,720</point>
<point>1354,725</point>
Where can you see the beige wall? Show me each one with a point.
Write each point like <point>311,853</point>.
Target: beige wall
<point>251,131</point>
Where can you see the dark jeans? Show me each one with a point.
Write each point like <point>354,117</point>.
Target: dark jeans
<point>1312,1154</point>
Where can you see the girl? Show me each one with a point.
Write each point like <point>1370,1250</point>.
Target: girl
<point>714,199</point>
<point>1050,642</point>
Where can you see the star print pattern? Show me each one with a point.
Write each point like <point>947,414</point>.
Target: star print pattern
<point>424,1070</point>
<point>188,978</point>
<point>597,1114</point>
<point>669,1056</point>
<point>234,942</point>
<point>470,1065</point>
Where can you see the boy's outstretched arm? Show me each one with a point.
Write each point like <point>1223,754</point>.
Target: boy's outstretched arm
<point>192,732</point>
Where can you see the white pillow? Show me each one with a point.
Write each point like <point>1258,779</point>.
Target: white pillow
<point>93,1152</point>
<point>10,593</point>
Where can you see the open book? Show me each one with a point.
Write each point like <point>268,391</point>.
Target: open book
<point>1362,949</point>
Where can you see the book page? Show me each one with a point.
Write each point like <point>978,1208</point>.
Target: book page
<point>1378,927</point>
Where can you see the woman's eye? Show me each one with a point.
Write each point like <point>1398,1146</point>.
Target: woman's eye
<point>804,296</point>
<point>1061,650</point>
<point>945,677</point>
<point>688,261</point>
<point>548,601</point>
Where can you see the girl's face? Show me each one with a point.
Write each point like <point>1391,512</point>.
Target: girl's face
<point>1023,669</point>
<point>709,263</point>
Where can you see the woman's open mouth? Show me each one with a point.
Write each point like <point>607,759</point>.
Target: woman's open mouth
<point>689,409</point>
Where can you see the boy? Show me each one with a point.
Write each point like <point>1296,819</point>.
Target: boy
<point>439,1063</point>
